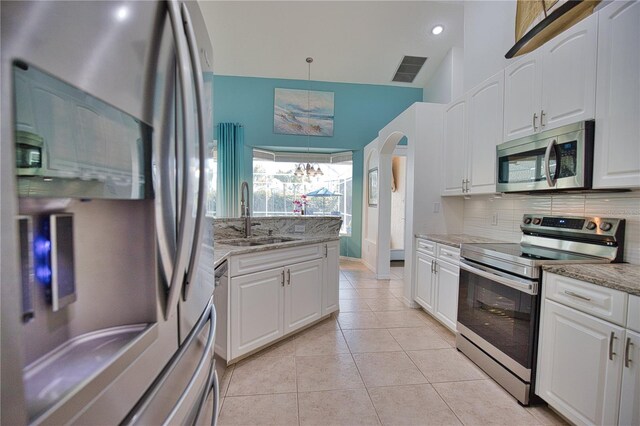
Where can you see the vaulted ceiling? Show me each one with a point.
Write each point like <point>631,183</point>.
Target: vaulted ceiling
<point>350,41</point>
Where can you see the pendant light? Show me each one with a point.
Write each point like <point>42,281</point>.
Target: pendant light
<point>309,170</point>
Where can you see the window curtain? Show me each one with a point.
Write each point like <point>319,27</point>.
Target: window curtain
<point>230,160</point>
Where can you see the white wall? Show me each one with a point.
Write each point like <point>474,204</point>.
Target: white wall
<point>398,201</point>
<point>489,32</point>
<point>446,84</point>
<point>370,214</point>
<point>479,211</point>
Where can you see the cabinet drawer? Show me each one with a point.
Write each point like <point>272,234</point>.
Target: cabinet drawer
<point>601,302</point>
<point>633,318</point>
<point>268,259</point>
<point>448,254</point>
<point>426,246</point>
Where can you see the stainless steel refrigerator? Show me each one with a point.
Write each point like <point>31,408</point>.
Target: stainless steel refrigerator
<point>107,256</point>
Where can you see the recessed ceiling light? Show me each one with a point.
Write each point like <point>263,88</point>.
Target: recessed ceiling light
<point>437,29</point>
<point>122,13</point>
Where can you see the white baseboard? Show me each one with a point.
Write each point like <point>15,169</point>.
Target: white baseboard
<point>383,276</point>
<point>351,259</point>
<point>410,303</point>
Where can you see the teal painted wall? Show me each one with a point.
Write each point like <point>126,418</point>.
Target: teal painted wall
<point>360,110</point>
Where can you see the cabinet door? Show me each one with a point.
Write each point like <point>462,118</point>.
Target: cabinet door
<point>616,162</point>
<point>424,281</point>
<point>25,116</point>
<point>455,169</point>
<point>303,294</point>
<point>256,310</point>
<point>331,278</point>
<point>485,132</point>
<point>522,97</point>
<point>447,293</point>
<point>630,397</point>
<point>575,373</point>
<point>569,75</point>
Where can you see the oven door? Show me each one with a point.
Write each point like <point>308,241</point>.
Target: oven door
<point>498,312</point>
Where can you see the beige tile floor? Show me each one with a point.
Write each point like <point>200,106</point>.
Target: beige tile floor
<point>376,362</point>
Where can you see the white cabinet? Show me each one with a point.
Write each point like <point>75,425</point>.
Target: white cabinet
<point>424,281</point>
<point>302,294</point>
<point>436,280</point>
<point>616,162</point>
<point>553,86</point>
<point>276,292</point>
<point>576,375</point>
<point>522,97</point>
<point>256,310</point>
<point>587,361</point>
<point>630,393</point>
<point>472,129</point>
<point>447,293</point>
<point>331,278</point>
<point>485,130</point>
<point>454,160</point>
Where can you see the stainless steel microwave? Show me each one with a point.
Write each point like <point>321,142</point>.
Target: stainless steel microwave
<point>557,159</point>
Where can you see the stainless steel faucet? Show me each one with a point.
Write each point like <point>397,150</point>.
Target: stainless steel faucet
<point>245,211</point>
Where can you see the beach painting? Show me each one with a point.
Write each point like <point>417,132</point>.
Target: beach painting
<point>303,112</point>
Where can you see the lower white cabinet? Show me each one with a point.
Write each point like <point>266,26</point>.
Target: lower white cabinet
<point>447,293</point>
<point>576,374</point>
<point>437,282</point>
<point>256,311</point>
<point>302,294</point>
<point>331,278</point>
<point>587,366</point>
<point>293,293</point>
<point>424,281</point>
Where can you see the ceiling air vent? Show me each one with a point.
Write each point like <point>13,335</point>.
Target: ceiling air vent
<point>409,68</point>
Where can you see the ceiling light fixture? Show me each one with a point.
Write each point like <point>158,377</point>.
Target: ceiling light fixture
<point>301,169</point>
<point>438,29</point>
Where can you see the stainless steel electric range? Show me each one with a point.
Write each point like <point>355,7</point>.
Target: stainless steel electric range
<point>500,285</point>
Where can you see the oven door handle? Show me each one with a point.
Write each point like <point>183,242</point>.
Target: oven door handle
<point>525,286</point>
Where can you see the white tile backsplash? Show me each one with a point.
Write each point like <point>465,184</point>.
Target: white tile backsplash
<point>479,211</point>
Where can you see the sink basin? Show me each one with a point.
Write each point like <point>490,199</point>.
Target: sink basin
<point>248,242</point>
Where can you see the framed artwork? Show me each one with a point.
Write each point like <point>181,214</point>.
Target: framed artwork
<point>372,187</point>
<point>303,112</point>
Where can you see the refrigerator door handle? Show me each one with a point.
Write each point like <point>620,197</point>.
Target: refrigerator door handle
<point>208,316</point>
<point>196,67</point>
<point>185,224</point>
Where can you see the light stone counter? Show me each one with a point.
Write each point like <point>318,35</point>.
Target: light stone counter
<point>619,276</point>
<point>455,240</point>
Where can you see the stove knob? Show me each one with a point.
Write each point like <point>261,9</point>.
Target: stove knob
<point>605,226</point>
<point>591,226</point>
<point>527,220</point>
<point>537,221</point>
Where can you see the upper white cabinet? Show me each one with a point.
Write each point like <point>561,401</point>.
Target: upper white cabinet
<point>472,129</point>
<point>485,130</point>
<point>555,85</point>
<point>617,150</point>
<point>454,170</point>
<point>522,97</point>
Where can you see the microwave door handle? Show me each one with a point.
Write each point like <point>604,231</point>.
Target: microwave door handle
<point>528,287</point>
<point>551,181</point>
<point>196,67</point>
<point>185,223</point>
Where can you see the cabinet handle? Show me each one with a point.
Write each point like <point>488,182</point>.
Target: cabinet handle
<point>579,296</point>
<point>611,339</point>
<point>435,267</point>
<point>535,119</point>
<point>467,185</point>
<point>283,278</point>
<point>326,251</point>
<point>432,266</point>
<point>542,115</point>
<point>462,185</point>
<point>288,276</point>
<point>627,353</point>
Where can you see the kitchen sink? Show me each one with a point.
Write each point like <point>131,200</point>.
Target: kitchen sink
<point>248,242</point>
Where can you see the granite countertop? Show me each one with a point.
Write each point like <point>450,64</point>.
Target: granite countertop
<point>455,240</point>
<point>619,276</point>
<point>223,251</point>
